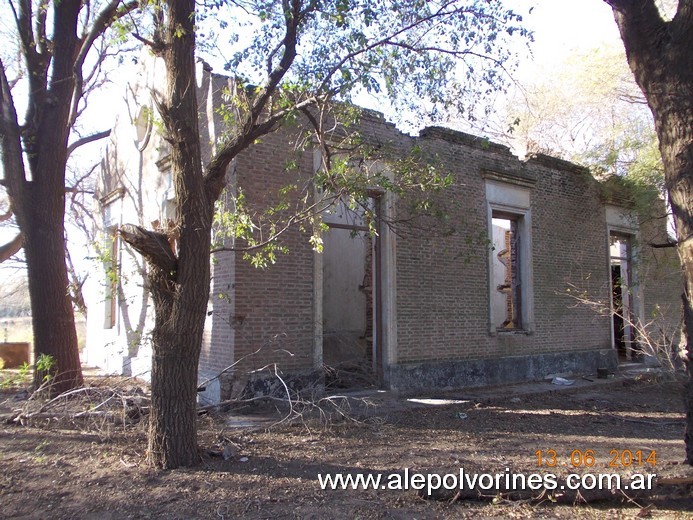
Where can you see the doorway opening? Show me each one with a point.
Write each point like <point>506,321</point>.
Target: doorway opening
<point>351,301</point>
<point>622,296</point>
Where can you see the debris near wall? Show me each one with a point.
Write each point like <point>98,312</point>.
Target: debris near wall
<point>105,403</point>
<point>356,373</point>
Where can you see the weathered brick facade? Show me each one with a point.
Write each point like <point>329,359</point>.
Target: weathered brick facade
<point>435,329</point>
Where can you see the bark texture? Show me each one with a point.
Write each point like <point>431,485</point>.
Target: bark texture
<point>179,280</point>
<point>180,295</point>
<point>660,54</point>
<point>39,203</point>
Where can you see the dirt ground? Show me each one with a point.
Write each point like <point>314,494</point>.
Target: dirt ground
<point>54,470</point>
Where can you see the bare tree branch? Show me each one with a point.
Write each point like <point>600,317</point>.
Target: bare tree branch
<point>76,284</point>
<point>216,170</point>
<point>75,187</point>
<point>11,248</point>
<point>252,127</point>
<point>23,20</point>
<point>156,47</point>
<point>113,11</point>
<point>86,140</point>
<point>40,27</point>
<point>10,143</point>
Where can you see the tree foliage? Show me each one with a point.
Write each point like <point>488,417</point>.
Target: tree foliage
<point>428,57</point>
<point>586,109</point>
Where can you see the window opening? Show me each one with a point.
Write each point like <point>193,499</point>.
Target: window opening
<point>506,297</point>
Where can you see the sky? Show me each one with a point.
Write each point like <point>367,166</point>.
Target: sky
<point>566,26</point>
<point>566,35</point>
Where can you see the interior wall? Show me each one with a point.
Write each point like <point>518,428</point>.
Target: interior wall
<point>345,299</point>
<point>499,299</point>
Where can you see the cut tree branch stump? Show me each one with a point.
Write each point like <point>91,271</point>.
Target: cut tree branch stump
<point>154,246</point>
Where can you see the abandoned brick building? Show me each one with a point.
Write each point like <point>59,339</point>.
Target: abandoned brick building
<point>488,304</point>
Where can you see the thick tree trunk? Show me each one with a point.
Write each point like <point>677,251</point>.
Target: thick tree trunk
<point>51,308</point>
<point>674,121</point>
<point>683,213</point>
<point>39,202</point>
<point>172,427</point>
<point>53,53</point>
<point>660,54</point>
<point>180,296</point>
<point>177,339</point>
<point>173,419</point>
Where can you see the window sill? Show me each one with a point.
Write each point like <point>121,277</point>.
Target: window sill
<point>511,332</point>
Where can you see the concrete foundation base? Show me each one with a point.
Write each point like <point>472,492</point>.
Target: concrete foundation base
<point>449,375</point>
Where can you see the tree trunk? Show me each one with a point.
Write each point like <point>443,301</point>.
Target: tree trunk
<point>39,202</point>
<point>173,418</point>
<point>53,53</point>
<point>179,283</point>
<point>660,54</point>
<point>180,296</point>
<point>51,308</point>
<point>180,310</point>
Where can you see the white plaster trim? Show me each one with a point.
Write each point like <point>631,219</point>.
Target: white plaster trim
<point>623,222</point>
<point>516,200</point>
<point>388,243</point>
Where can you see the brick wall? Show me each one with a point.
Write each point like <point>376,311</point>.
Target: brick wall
<point>274,306</point>
<point>442,282</point>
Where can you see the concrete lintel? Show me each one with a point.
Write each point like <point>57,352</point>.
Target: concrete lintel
<point>509,177</point>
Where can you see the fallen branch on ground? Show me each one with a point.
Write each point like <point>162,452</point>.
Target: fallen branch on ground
<point>95,405</point>
<point>323,409</point>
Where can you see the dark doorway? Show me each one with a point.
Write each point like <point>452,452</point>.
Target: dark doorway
<point>622,296</point>
<point>617,301</point>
